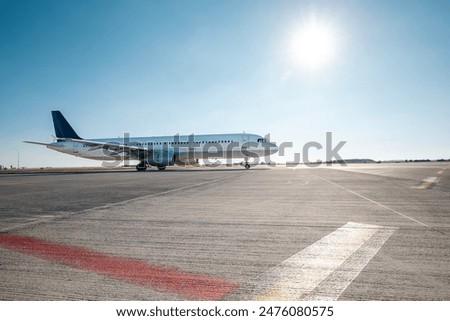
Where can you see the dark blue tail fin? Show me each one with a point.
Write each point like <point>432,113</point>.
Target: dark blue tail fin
<point>62,127</point>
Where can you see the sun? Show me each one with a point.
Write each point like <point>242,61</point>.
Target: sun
<point>313,45</point>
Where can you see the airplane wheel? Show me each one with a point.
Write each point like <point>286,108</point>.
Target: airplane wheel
<point>247,166</point>
<point>161,168</point>
<point>141,167</point>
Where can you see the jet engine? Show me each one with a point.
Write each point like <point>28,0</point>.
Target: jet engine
<point>161,157</point>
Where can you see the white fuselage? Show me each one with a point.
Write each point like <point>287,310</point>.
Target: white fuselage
<point>184,147</point>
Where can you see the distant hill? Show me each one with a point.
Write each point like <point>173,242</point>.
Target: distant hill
<point>359,160</point>
<point>355,161</point>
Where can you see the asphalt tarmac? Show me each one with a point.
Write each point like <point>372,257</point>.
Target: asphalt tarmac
<point>360,232</point>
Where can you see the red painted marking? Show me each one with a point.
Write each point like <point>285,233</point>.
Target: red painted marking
<point>194,286</point>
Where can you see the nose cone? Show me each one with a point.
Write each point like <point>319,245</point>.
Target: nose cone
<point>273,148</point>
<point>270,148</point>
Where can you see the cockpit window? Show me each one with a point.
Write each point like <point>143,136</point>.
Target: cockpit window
<point>262,140</point>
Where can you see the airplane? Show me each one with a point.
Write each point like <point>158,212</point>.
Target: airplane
<point>158,151</point>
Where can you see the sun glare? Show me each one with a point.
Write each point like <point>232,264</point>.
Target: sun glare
<point>313,46</point>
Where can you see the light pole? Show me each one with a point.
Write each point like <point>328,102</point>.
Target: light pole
<point>18,159</point>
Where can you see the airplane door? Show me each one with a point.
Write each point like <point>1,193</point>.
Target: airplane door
<point>244,146</point>
<point>245,137</point>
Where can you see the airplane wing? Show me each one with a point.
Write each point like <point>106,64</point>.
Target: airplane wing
<point>113,147</point>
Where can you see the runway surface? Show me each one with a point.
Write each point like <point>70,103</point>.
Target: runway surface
<point>360,232</point>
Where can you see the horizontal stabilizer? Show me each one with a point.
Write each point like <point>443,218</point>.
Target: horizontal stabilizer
<point>37,143</point>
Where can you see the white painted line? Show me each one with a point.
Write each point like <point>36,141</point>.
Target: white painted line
<point>375,202</point>
<point>316,270</point>
<point>332,288</point>
<point>432,180</point>
<point>427,183</point>
<point>27,224</point>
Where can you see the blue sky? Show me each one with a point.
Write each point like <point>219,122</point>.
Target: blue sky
<point>167,67</point>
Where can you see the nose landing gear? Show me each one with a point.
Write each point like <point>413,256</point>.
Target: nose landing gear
<point>246,164</point>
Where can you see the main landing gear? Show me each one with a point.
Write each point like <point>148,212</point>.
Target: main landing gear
<point>142,166</point>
